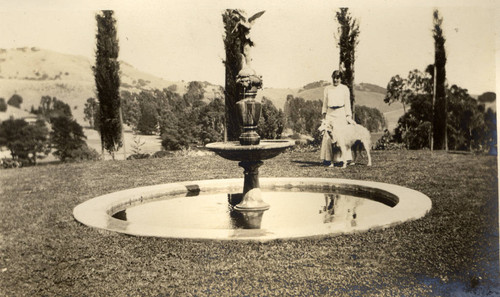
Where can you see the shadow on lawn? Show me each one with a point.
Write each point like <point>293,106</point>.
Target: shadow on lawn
<point>308,163</point>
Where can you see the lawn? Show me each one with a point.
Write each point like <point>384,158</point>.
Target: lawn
<point>452,250</point>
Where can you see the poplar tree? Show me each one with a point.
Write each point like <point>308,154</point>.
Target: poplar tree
<point>347,41</point>
<point>440,106</point>
<point>107,80</point>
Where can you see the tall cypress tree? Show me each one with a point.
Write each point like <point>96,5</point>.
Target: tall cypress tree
<point>347,42</point>
<point>237,43</point>
<point>107,80</point>
<point>232,45</point>
<point>440,106</point>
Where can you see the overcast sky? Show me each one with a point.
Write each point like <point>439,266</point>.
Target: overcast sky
<point>294,40</point>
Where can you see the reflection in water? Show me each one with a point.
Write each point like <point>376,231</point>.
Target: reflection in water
<point>289,210</point>
<point>246,219</point>
<point>340,207</point>
<point>121,215</point>
<point>329,208</point>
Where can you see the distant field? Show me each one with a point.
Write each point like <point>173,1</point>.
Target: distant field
<point>151,143</point>
<point>74,93</point>
<point>392,118</point>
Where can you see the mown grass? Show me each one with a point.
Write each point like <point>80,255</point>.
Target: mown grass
<point>45,252</point>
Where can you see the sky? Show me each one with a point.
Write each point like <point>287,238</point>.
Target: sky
<point>294,40</point>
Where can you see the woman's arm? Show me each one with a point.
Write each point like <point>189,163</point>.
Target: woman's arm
<point>347,106</point>
<point>325,102</point>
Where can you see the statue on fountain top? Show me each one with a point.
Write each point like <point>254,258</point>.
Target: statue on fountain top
<point>247,80</point>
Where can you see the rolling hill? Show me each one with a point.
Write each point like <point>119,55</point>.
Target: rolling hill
<point>33,73</point>
<point>367,97</point>
<point>365,94</point>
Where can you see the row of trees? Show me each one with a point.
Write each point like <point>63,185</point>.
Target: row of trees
<point>54,130</point>
<point>191,119</point>
<point>182,120</point>
<point>469,125</point>
<point>304,116</point>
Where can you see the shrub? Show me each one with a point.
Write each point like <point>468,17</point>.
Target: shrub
<point>15,101</point>
<point>10,163</point>
<point>83,153</point>
<point>271,122</point>
<point>383,141</point>
<point>138,156</point>
<point>3,105</point>
<point>68,139</point>
<point>370,118</point>
<point>173,141</point>
<point>388,143</point>
<point>25,141</point>
<point>161,154</point>
<point>148,122</point>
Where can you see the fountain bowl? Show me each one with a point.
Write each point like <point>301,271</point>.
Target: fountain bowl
<point>266,149</point>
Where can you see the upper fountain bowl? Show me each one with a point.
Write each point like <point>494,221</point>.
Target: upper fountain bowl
<point>266,149</point>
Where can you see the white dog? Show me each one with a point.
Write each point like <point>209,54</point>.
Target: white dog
<point>352,136</point>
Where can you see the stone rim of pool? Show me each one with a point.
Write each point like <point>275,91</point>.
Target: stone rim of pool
<point>97,212</point>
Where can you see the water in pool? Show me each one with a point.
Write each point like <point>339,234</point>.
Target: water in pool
<point>288,210</point>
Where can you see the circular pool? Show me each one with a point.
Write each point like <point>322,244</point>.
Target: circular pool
<point>299,207</point>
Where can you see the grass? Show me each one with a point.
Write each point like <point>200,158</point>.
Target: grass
<point>452,250</point>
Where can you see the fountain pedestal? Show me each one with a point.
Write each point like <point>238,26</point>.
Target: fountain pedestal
<point>252,195</point>
<point>250,159</point>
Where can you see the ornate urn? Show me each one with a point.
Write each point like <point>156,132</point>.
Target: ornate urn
<point>249,108</point>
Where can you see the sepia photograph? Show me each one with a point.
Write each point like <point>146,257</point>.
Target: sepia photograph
<point>249,148</point>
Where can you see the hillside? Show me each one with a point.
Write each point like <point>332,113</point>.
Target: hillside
<point>365,94</point>
<point>277,96</point>
<point>33,73</point>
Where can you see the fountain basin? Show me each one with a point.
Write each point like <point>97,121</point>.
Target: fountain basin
<point>233,150</point>
<point>405,205</point>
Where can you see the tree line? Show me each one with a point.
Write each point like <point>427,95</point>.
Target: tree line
<point>191,119</point>
<point>54,130</point>
<point>304,116</point>
<point>182,120</point>
<point>469,126</point>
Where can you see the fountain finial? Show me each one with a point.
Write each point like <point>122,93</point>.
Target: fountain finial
<point>247,80</point>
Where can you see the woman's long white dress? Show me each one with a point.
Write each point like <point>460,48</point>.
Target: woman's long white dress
<point>337,107</point>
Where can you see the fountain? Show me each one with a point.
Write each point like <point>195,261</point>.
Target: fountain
<point>249,150</point>
<point>301,207</point>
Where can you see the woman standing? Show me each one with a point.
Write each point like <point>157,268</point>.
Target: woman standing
<point>337,111</point>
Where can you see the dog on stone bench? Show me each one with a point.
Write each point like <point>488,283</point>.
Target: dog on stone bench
<point>354,136</point>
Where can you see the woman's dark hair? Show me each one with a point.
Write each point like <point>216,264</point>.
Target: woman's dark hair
<point>336,73</point>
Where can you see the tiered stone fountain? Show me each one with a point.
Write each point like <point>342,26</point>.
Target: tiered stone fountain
<point>249,150</point>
